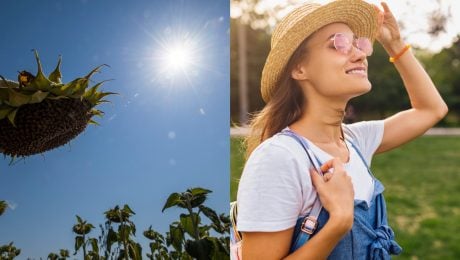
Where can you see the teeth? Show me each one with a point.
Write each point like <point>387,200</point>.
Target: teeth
<point>356,71</point>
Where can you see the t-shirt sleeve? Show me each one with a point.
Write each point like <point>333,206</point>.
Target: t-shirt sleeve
<point>367,136</point>
<point>270,193</point>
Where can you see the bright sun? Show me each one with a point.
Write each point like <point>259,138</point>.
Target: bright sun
<point>178,57</point>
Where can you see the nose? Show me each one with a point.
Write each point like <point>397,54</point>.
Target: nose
<point>357,54</point>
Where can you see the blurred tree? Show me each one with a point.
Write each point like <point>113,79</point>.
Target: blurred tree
<point>257,52</point>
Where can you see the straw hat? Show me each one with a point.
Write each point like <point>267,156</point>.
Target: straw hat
<point>290,32</point>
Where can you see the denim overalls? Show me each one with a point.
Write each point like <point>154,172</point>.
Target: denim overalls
<point>370,236</point>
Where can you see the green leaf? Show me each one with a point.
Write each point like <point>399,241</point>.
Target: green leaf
<point>200,249</point>
<point>12,115</point>
<point>92,122</point>
<point>220,250</point>
<point>111,239</point>
<point>135,251</point>
<point>3,206</point>
<point>94,245</point>
<point>176,236</point>
<point>210,213</point>
<point>124,232</point>
<point>4,94</point>
<point>97,69</point>
<point>127,209</point>
<point>189,223</point>
<point>17,99</point>
<point>53,256</point>
<point>56,75</point>
<point>93,90</point>
<point>64,253</point>
<point>173,200</point>
<point>198,191</point>
<point>78,243</point>
<point>5,111</point>
<point>57,89</point>
<point>198,200</point>
<point>8,83</point>
<point>75,88</point>
<point>38,97</point>
<point>204,231</point>
<point>198,196</point>
<point>79,219</point>
<point>40,81</point>
<point>96,98</point>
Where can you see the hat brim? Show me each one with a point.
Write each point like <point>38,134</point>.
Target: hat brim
<point>361,17</point>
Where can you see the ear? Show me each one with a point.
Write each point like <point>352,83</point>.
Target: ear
<point>299,72</point>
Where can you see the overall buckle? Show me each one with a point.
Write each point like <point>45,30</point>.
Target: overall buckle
<point>309,225</point>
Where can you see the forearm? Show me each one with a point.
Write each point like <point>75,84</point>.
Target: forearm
<point>422,92</point>
<point>321,245</point>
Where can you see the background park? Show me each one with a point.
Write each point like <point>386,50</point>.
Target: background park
<point>422,178</point>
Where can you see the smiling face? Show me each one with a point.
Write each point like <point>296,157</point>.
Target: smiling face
<point>329,71</point>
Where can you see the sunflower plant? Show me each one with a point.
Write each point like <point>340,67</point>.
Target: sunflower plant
<point>39,113</point>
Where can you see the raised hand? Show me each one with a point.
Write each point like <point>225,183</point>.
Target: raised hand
<point>388,33</point>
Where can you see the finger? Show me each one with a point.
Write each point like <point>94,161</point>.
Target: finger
<point>335,163</point>
<point>385,7</point>
<point>316,179</point>
<point>327,176</point>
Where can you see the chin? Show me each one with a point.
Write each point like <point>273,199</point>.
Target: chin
<point>361,89</point>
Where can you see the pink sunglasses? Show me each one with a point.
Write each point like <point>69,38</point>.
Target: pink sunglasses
<point>343,42</point>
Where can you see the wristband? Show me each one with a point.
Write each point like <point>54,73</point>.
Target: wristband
<point>395,58</point>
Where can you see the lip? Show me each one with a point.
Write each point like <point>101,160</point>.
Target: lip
<point>361,68</point>
<point>356,68</point>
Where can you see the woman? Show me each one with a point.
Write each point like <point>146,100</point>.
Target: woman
<point>316,64</point>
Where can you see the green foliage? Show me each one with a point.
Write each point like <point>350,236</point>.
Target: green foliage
<point>187,238</point>
<point>158,250</point>
<point>258,46</point>
<point>127,247</point>
<point>63,254</point>
<point>190,233</point>
<point>3,206</point>
<point>9,251</point>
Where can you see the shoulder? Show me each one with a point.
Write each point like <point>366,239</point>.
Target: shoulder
<point>277,148</point>
<point>277,158</point>
<point>274,185</point>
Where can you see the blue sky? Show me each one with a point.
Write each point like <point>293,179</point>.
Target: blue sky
<point>168,130</point>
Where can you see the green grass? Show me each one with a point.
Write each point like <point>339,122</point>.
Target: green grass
<point>422,191</point>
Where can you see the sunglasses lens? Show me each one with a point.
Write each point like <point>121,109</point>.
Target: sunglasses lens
<point>365,45</point>
<point>342,43</point>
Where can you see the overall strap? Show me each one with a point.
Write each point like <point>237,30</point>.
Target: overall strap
<point>310,222</point>
<point>362,157</point>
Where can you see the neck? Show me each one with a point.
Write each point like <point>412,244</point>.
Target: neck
<point>321,121</point>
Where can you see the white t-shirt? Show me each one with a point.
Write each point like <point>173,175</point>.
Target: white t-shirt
<point>275,187</point>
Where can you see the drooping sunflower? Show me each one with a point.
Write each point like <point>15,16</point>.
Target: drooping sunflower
<point>39,113</point>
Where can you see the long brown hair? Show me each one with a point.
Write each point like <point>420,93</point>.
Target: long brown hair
<point>283,108</point>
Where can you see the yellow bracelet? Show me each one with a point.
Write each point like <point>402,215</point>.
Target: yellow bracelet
<point>395,58</point>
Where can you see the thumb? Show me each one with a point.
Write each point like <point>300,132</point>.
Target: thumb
<point>316,179</point>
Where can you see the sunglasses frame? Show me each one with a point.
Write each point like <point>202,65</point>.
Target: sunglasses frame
<point>357,42</point>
